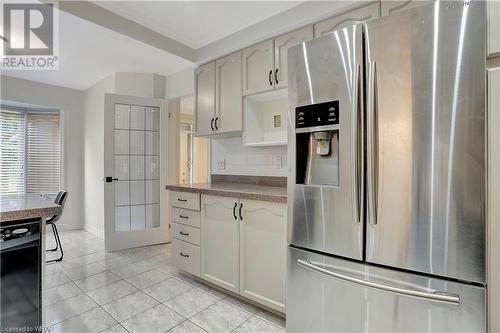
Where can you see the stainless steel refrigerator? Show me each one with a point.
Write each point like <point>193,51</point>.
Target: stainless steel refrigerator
<point>386,190</point>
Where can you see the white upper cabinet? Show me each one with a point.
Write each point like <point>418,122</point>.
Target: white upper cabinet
<point>258,68</point>
<point>263,252</point>
<point>389,7</point>
<point>493,27</point>
<point>204,82</point>
<point>220,242</point>
<point>281,45</point>
<point>353,17</point>
<point>228,100</point>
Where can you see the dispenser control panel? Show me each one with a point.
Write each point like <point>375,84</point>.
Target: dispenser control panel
<point>320,114</point>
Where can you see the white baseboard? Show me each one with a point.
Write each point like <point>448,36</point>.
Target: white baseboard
<point>94,231</point>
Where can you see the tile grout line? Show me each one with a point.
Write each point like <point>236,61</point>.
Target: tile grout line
<point>152,266</point>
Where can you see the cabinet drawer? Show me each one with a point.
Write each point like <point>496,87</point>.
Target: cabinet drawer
<point>185,233</point>
<point>186,256</point>
<point>185,200</point>
<point>185,216</point>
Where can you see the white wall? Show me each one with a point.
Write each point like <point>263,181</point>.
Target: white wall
<point>180,84</point>
<point>93,142</point>
<point>140,84</point>
<point>70,102</point>
<point>241,160</point>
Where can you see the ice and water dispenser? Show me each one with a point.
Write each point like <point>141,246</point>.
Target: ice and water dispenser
<point>317,144</point>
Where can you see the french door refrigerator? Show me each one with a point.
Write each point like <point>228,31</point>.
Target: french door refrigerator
<point>386,190</point>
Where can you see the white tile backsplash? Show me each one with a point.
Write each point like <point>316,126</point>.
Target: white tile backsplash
<point>248,161</point>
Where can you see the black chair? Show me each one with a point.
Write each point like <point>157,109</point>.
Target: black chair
<point>60,200</point>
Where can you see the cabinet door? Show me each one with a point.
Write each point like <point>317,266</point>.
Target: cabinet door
<point>281,45</point>
<point>493,27</point>
<point>204,84</point>
<point>263,253</point>
<point>258,67</point>
<point>229,99</point>
<point>389,7</point>
<point>219,242</point>
<point>353,17</point>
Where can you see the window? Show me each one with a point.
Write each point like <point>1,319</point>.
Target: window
<point>30,152</point>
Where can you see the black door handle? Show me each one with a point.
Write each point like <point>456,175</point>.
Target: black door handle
<point>270,79</point>
<point>241,206</point>
<point>234,210</point>
<point>216,128</point>
<point>181,200</point>
<point>212,124</point>
<point>276,76</point>
<point>183,217</point>
<point>110,179</point>
<point>183,233</point>
<point>184,255</point>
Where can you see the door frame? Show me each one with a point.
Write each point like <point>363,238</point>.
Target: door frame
<point>130,239</point>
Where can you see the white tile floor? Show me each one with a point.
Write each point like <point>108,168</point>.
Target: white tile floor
<point>138,290</point>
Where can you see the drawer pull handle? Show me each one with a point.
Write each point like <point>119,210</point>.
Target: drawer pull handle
<point>183,217</point>
<point>184,233</point>
<point>181,200</point>
<point>184,255</point>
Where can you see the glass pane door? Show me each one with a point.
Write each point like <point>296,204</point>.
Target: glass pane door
<point>136,167</point>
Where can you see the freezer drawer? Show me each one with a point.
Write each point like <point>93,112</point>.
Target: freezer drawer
<point>327,294</point>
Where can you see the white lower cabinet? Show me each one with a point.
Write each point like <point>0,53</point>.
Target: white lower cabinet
<point>243,248</point>
<point>263,253</point>
<point>186,256</point>
<point>220,242</point>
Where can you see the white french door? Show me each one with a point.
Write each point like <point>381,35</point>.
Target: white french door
<point>135,167</point>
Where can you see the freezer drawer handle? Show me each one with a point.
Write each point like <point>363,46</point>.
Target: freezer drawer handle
<point>433,296</point>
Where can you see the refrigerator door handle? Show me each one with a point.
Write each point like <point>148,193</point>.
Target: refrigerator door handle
<point>437,296</point>
<point>356,167</point>
<point>372,143</point>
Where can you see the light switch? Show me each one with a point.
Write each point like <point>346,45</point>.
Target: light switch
<point>277,162</point>
<point>221,165</point>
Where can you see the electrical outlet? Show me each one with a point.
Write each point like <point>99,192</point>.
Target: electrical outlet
<point>221,165</point>
<point>277,161</point>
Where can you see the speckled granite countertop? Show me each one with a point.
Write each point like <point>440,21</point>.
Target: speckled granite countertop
<point>21,207</point>
<point>235,190</point>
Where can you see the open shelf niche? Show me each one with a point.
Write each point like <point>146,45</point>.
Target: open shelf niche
<point>266,119</point>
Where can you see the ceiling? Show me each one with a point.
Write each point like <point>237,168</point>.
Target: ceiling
<point>197,23</point>
<point>89,52</point>
<point>203,30</point>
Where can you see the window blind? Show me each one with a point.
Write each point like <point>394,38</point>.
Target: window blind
<point>30,152</point>
<point>43,153</point>
<point>12,152</point>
